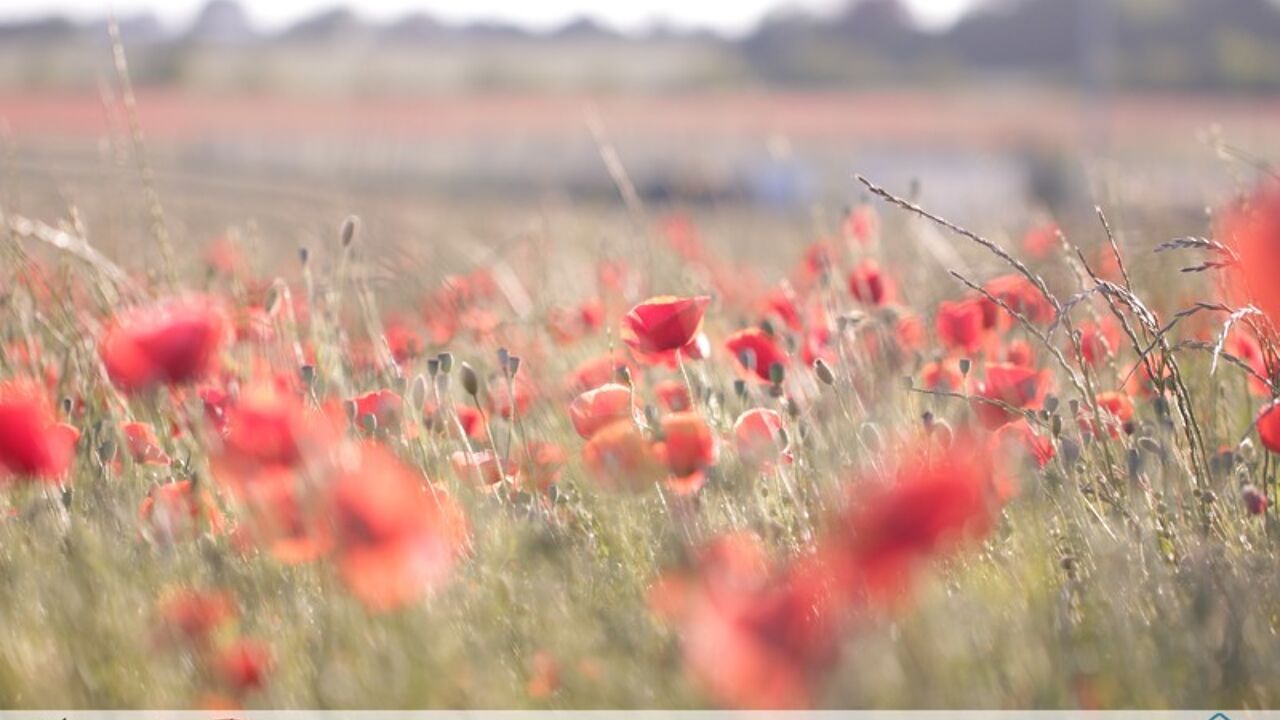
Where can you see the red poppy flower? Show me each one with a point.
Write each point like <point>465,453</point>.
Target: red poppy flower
<point>1252,229</point>
<point>1099,341</point>
<point>598,408</point>
<point>943,376</point>
<point>1013,385</point>
<point>933,500</point>
<point>396,538</point>
<point>173,512</point>
<point>1242,344</point>
<point>1021,295</point>
<point>688,447</point>
<point>755,352</point>
<point>759,438</point>
<point>1020,437</point>
<point>619,458</point>
<point>1116,409</point>
<point>144,446</point>
<point>471,419</point>
<point>1269,427</point>
<point>868,284</point>
<point>861,225</point>
<point>32,445</point>
<point>543,463</point>
<point>404,342</point>
<point>482,464</point>
<point>382,405</point>
<point>1040,240</point>
<point>752,635</point>
<point>521,389</point>
<point>173,342</point>
<point>192,616</point>
<point>282,516</point>
<point>244,665</point>
<point>960,325</point>
<point>663,324</point>
<point>268,428</point>
<point>592,373</point>
<point>672,396</point>
<point>782,303</point>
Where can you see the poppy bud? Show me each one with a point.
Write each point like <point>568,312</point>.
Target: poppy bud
<point>446,362</point>
<point>623,375</point>
<point>418,392</point>
<point>470,381</point>
<point>67,405</point>
<point>349,230</point>
<point>823,371</point>
<point>777,373</point>
<point>513,365</point>
<point>433,367</point>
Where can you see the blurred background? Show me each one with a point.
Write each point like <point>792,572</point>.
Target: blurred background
<point>985,105</point>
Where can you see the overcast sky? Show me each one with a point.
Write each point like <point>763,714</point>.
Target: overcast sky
<point>725,15</point>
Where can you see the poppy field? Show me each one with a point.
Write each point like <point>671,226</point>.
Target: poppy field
<point>885,462</point>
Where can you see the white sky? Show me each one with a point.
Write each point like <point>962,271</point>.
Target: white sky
<point>725,15</point>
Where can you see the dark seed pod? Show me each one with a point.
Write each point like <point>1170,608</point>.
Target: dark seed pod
<point>823,371</point>
<point>470,381</point>
<point>965,366</point>
<point>304,255</point>
<point>777,373</point>
<point>433,367</point>
<point>349,227</point>
<point>446,362</point>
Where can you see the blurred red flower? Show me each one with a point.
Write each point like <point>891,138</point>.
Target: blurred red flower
<point>1251,228</point>
<point>244,665</point>
<point>173,511</point>
<point>1019,387</point>
<point>759,438</point>
<point>755,352</point>
<point>960,325</point>
<point>192,616</point>
<point>934,499</point>
<point>598,408</point>
<point>663,324</point>
<point>868,284</point>
<point>172,342</point>
<point>1269,426</point>
<point>396,537</point>
<point>672,396</point>
<point>144,446</point>
<point>618,457</point>
<point>688,447</point>
<point>33,446</point>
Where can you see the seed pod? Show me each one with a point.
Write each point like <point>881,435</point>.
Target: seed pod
<point>418,392</point>
<point>370,422</point>
<point>777,373</point>
<point>308,374</point>
<point>740,388</point>
<point>433,366</point>
<point>622,374</point>
<point>513,365</point>
<point>503,356</point>
<point>470,381</point>
<point>349,227</point>
<point>304,255</point>
<point>1051,403</point>
<point>446,362</point>
<point>823,371</point>
<point>965,366</point>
